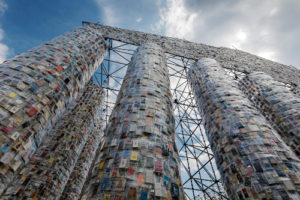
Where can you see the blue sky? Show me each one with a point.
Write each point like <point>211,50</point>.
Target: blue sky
<point>268,28</point>
<point>27,23</point>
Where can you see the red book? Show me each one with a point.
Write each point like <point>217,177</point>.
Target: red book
<point>131,171</point>
<point>58,68</point>
<point>8,128</point>
<point>32,111</point>
<point>118,197</point>
<point>158,167</point>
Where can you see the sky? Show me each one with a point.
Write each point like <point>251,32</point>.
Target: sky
<point>268,28</point>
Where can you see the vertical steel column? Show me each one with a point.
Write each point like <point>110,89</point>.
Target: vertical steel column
<point>36,87</point>
<point>253,161</point>
<point>139,158</point>
<point>78,177</point>
<point>278,103</point>
<point>48,171</point>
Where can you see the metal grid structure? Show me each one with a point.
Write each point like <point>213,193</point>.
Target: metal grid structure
<point>200,177</point>
<point>237,75</point>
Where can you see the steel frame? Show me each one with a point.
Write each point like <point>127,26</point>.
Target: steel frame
<point>200,177</point>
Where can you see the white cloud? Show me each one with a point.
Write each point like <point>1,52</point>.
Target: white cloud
<point>241,35</point>
<point>3,52</point>
<point>139,19</point>
<point>3,7</point>
<point>195,164</point>
<point>109,16</point>
<point>265,28</point>
<point>109,13</point>
<point>3,47</point>
<point>268,54</point>
<point>273,11</point>
<point>237,40</point>
<point>177,21</point>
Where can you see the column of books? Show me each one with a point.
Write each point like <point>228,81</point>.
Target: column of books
<point>49,169</point>
<point>79,175</point>
<point>36,87</point>
<point>138,158</point>
<point>277,103</point>
<point>253,161</point>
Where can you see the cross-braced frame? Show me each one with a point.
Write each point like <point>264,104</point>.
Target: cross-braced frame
<point>200,177</point>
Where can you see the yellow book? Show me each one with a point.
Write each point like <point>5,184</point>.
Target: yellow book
<point>18,121</point>
<point>101,164</point>
<point>51,160</point>
<point>100,174</point>
<point>23,178</point>
<point>106,196</point>
<point>12,95</point>
<point>134,155</point>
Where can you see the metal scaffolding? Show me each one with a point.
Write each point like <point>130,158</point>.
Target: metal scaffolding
<point>200,177</point>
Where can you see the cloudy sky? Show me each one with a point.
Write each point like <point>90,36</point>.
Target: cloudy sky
<point>268,28</point>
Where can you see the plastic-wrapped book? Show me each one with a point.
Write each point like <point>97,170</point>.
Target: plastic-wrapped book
<point>278,103</point>
<point>48,171</point>
<point>79,175</point>
<point>35,89</point>
<point>138,158</point>
<point>253,161</point>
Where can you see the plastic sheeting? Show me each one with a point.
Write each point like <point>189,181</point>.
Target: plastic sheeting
<point>79,174</point>
<point>138,158</point>
<point>36,87</point>
<point>277,103</point>
<point>48,171</point>
<point>253,161</point>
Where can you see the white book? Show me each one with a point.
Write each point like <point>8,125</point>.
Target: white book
<point>158,190</point>
<point>123,163</point>
<point>135,144</point>
<point>149,176</point>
